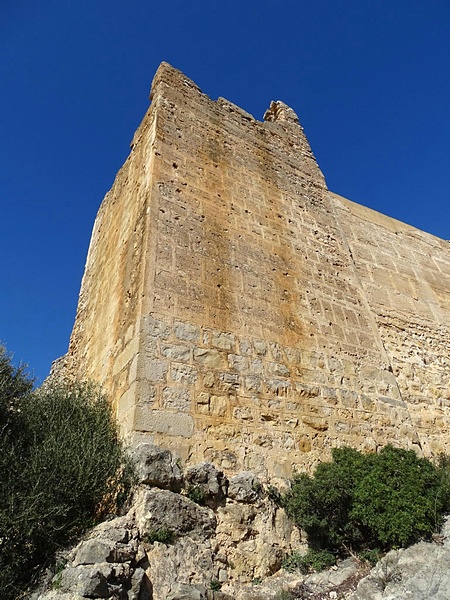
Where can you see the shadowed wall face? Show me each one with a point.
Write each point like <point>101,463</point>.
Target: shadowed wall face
<point>239,312</point>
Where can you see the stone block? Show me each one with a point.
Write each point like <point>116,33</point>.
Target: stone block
<point>186,331</point>
<point>154,327</point>
<point>176,398</point>
<point>183,374</point>
<point>218,405</point>
<point>224,341</point>
<point>238,363</point>
<point>176,352</point>
<point>277,369</point>
<point>209,357</point>
<point>159,421</point>
<point>153,369</point>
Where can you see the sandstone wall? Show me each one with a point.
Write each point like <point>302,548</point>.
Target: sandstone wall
<point>237,311</point>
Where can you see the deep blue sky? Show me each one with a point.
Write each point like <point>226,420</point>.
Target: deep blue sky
<point>369,80</point>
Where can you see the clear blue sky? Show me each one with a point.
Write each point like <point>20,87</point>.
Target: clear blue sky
<point>369,80</point>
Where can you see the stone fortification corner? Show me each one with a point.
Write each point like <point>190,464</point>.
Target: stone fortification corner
<point>239,312</point>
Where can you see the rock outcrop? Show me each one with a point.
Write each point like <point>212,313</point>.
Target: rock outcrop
<point>167,547</point>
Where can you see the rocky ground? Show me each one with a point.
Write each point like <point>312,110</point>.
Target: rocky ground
<point>227,544</point>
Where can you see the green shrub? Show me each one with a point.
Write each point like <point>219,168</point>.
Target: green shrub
<point>359,501</point>
<point>196,494</point>
<point>313,560</point>
<point>370,555</point>
<point>165,535</point>
<point>215,585</point>
<point>62,467</point>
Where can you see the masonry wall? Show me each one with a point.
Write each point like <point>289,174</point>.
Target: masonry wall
<point>239,312</point>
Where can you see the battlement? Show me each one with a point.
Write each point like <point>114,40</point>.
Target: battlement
<point>238,311</point>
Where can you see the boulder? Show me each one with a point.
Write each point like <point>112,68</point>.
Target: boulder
<point>244,487</point>
<point>157,467</point>
<point>420,572</point>
<point>210,483</point>
<point>88,581</point>
<point>174,569</point>
<point>161,509</point>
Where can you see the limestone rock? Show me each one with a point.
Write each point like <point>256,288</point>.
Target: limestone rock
<point>155,509</point>
<point>211,482</point>
<point>176,568</point>
<point>88,581</point>
<point>140,588</point>
<point>94,551</point>
<point>244,487</point>
<point>182,591</point>
<point>254,538</point>
<point>157,467</point>
<point>420,572</point>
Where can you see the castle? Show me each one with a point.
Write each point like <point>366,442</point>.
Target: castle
<point>239,312</point>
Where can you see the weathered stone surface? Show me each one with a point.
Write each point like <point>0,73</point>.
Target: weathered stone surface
<point>155,509</point>
<point>253,539</point>
<point>210,481</point>
<point>244,487</point>
<point>94,551</point>
<point>220,248</point>
<point>184,591</point>
<point>174,569</point>
<point>140,587</point>
<point>88,581</point>
<point>157,467</point>
<point>420,572</point>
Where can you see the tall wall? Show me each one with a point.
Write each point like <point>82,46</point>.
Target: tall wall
<point>239,312</point>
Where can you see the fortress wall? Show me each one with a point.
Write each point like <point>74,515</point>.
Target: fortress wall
<point>106,333</point>
<point>406,277</point>
<point>239,312</point>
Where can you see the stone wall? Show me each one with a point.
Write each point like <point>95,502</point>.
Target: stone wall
<point>239,312</point>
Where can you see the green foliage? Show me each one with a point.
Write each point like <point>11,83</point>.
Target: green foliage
<point>215,585</point>
<point>313,560</point>
<point>165,535</point>
<point>61,468</point>
<point>196,494</point>
<point>370,555</point>
<point>359,501</point>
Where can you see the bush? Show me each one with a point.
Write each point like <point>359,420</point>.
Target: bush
<point>369,501</point>
<point>196,494</point>
<point>161,534</point>
<point>313,560</point>
<point>62,467</point>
